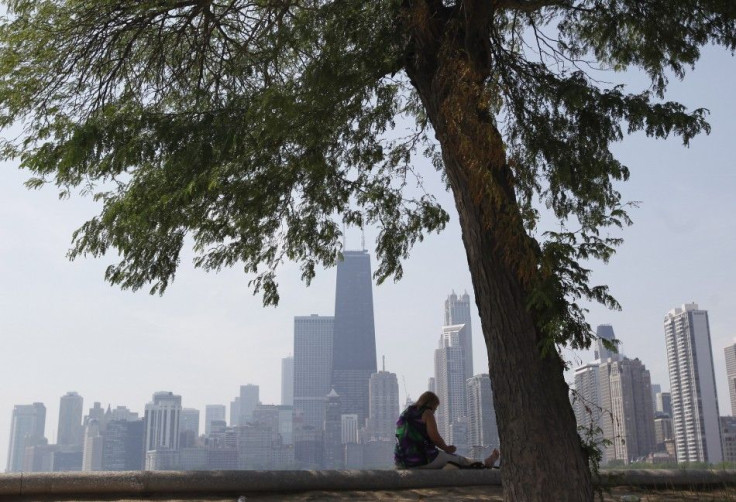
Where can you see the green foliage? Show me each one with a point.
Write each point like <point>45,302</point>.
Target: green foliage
<point>180,123</point>
<point>260,127</point>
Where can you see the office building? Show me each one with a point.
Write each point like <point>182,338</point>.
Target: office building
<point>70,431</point>
<point>235,411</point>
<point>383,394</point>
<point>662,432</point>
<point>312,367</point>
<point>189,420</point>
<point>586,398</point>
<point>663,403</point>
<point>213,412</point>
<point>287,381</point>
<point>481,415</point>
<point>247,403</point>
<point>604,333</point>
<point>695,416</point>
<point>162,422</point>
<point>730,352</point>
<point>333,455</point>
<point>188,428</point>
<point>457,311</point>
<point>349,424</point>
<point>728,435</point>
<point>449,374</point>
<point>26,430</point>
<point>122,445</point>
<point>92,453</point>
<point>626,401</point>
<point>354,341</point>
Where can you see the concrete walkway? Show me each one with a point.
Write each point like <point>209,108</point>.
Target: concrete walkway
<point>330,485</point>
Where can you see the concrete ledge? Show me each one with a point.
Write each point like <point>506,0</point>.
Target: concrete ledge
<point>136,483</point>
<point>669,478</point>
<point>147,483</point>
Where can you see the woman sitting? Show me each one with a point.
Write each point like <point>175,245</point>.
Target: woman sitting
<point>419,443</point>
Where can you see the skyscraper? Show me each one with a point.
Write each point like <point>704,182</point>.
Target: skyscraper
<point>449,374</point>
<point>457,311</point>
<point>213,412</point>
<point>605,332</point>
<point>162,422</point>
<point>354,343</point>
<point>70,432</point>
<point>93,443</point>
<point>26,429</point>
<point>586,398</point>
<point>188,427</point>
<point>383,393</point>
<point>287,381</point>
<point>333,455</point>
<point>482,427</point>
<point>695,416</point>
<point>626,400</point>
<point>247,403</point>
<point>312,368</point>
<point>731,375</point>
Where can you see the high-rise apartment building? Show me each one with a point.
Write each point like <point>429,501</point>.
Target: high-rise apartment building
<point>731,375</point>
<point>287,381</point>
<point>354,342</point>
<point>457,311</point>
<point>383,393</point>
<point>449,374</point>
<point>213,412</point>
<point>695,416</point>
<point>26,429</point>
<point>482,426</point>
<point>247,403</point>
<point>70,431</point>
<point>312,368</point>
<point>162,422</point>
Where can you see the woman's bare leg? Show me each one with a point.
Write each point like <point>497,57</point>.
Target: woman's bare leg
<point>492,458</point>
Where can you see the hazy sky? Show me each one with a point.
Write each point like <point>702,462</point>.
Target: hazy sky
<point>62,328</point>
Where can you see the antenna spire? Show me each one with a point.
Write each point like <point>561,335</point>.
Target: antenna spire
<point>384,362</point>
<point>362,237</point>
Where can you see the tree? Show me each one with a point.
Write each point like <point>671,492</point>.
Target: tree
<point>258,127</point>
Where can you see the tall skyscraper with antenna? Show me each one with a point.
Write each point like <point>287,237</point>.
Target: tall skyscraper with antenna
<point>354,344</point>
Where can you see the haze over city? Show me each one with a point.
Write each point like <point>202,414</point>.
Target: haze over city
<point>64,329</point>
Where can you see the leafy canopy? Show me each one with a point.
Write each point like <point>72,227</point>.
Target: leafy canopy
<point>260,127</point>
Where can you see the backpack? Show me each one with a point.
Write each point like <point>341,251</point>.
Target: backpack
<point>412,445</point>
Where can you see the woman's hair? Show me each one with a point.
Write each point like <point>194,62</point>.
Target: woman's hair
<point>429,400</point>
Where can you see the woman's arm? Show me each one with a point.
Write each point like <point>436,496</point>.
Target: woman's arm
<point>434,433</point>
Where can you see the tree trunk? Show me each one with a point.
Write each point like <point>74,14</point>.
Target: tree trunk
<point>448,63</point>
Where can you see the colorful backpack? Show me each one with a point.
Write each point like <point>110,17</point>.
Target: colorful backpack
<point>413,447</point>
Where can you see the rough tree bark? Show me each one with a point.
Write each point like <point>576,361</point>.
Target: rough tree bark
<point>448,61</point>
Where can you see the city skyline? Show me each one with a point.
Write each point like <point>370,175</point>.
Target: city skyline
<point>64,328</point>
